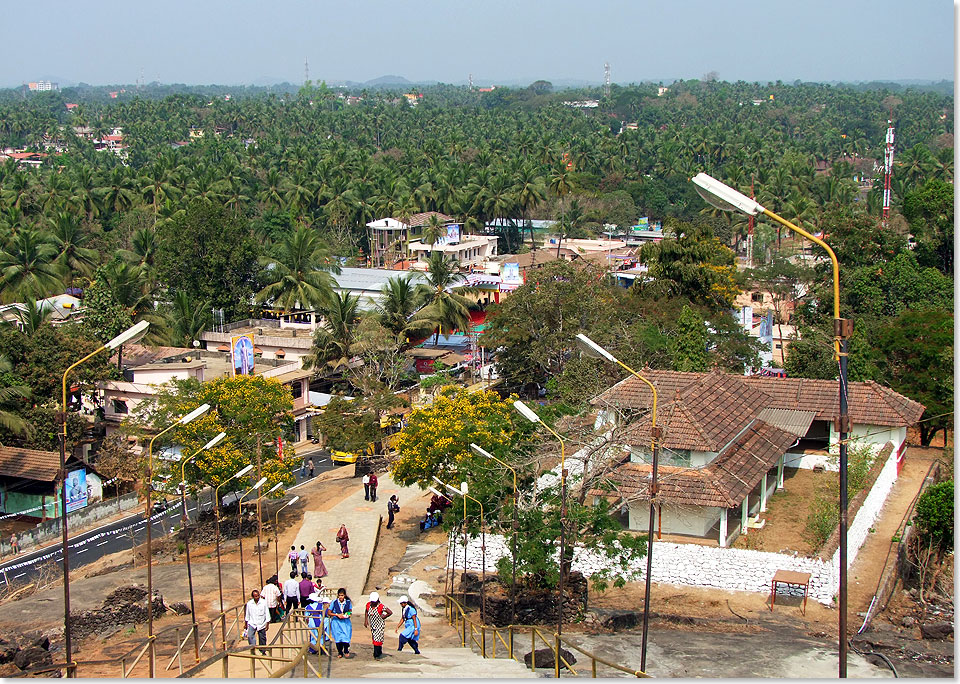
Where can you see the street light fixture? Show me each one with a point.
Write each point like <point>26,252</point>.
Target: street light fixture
<point>592,349</point>
<point>449,571</point>
<point>183,420</point>
<point>216,502</point>
<point>483,543</point>
<point>131,334</point>
<point>528,413</point>
<point>258,485</point>
<point>726,198</point>
<point>260,528</point>
<point>483,453</point>
<point>276,531</point>
<point>185,521</point>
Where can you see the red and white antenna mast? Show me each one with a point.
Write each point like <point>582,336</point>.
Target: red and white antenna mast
<point>750,231</point>
<point>887,169</point>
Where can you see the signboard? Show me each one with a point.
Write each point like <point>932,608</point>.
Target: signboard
<point>510,273</point>
<point>643,223</point>
<point>451,237</point>
<point>76,490</point>
<point>241,354</point>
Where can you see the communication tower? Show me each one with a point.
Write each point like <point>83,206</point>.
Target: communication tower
<point>606,79</point>
<point>306,71</point>
<point>470,79</point>
<point>750,232</point>
<point>887,169</point>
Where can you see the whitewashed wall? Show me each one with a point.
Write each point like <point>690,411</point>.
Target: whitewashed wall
<point>721,568</point>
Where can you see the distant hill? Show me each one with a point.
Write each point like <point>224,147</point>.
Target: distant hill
<point>387,81</point>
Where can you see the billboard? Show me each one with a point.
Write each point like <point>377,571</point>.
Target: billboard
<point>450,237</point>
<point>76,490</point>
<point>510,272</point>
<point>241,354</point>
<point>643,223</point>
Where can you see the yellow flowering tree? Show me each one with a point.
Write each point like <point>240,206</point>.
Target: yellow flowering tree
<point>252,410</point>
<point>436,440</point>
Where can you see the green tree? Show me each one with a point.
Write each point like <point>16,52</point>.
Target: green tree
<point>300,274</point>
<point>28,267</point>
<point>334,342</point>
<point>689,346</point>
<point>443,304</point>
<point>934,515</point>
<point>10,395</point>
<point>929,210</point>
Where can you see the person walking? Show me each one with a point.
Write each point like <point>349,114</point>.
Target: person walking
<point>393,507</point>
<point>319,569</point>
<point>304,557</point>
<point>14,544</point>
<point>293,556</point>
<point>343,537</point>
<point>271,593</point>
<point>366,486</point>
<point>341,629</point>
<point>305,587</point>
<point>310,465</point>
<point>303,468</point>
<point>410,624</point>
<point>317,621</point>
<point>291,592</point>
<point>374,617</point>
<point>373,486</point>
<point>255,620</point>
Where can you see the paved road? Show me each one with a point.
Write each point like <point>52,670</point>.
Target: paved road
<point>121,535</point>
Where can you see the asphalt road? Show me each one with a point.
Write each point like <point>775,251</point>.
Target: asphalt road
<point>122,535</point>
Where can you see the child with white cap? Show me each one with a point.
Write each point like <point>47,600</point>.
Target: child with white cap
<point>374,617</point>
<point>410,623</point>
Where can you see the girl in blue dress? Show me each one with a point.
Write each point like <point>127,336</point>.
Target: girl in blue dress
<point>341,629</point>
<point>410,624</point>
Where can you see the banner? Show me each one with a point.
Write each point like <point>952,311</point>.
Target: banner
<point>76,488</point>
<point>241,354</point>
<point>510,273</point>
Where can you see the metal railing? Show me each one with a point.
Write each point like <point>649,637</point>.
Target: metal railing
<point>474,633</point>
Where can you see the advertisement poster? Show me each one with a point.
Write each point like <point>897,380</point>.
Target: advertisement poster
<point>511,272</point>
<point>643,224</point>
<point>76,486</point>
<point>241,353</point>
<point>453,234</point>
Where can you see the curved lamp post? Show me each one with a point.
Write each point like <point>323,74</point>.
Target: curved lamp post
<point>184,522</point>
<point>453,550</point>
<point>258,485</point>
<point>528,413</point>
<point>592,349</point>
<point>260,528</point>
<point>483,543</point>
<point>190,417</point>
<point>131,334</point>
<point>483,453</point>
<point>276,531</point>
<point>216,502</point>
<point>726,198</point>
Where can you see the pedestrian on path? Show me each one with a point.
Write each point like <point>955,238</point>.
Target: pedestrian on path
<point>366,486</point>
<point>304,557</point>
<point>317,621</point>
<point>271,593</point>
<point>343,537</point>
<point>410,624</point>
<point>255,620</point>
<point>303,468</point>
<point>393,507</point>
<point>293,556</point>
<point>291,592</point>
<point>341,629</point>
<point>310,465</point>
<point>14,544</point>
<point>374,617</point>
<point>319,569</point>
<point>373,486</point>
<point>306,587</point>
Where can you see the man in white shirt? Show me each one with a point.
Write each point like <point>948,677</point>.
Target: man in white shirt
<point>366,487</point>
<point>256,619</point>
<point>271,593</point>
<point>291,592</point>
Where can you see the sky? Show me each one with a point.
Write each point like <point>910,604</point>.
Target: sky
<point>498,41</point>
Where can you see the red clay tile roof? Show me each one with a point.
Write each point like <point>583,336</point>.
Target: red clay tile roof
<point>29,464</point>
<point>723,483</point>
<point>421,219</point>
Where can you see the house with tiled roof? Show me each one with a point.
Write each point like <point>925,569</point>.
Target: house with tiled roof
<point>726,440</point>
<point>393,241</point>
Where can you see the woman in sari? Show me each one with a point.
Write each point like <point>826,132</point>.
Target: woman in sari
<point>341,629</point>
<point>319,569</point>
<point>343,537</point>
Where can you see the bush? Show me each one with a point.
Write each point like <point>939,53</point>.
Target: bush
<point>934,515</point>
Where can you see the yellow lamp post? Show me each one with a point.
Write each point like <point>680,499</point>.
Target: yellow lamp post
<point>184,523</point>
<point>479,451</point>
<point>260,528</point>
<point>591,348</point>
<point>726,198</point>
<point>131,334</point>
<point>216,503</point>
<point>462,491</point>
<point>258,485</point>
<point>453,550</point>
<point>276,532</point>
<point>190,417</point>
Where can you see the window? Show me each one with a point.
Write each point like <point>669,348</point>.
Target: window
<point>120,406</point>
<point>756,297</point>
<point>297,389</point>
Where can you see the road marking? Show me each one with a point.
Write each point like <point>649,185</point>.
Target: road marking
<point>193,509</point>
<point>83,551</point>
<point>104,542</point>
<point>20,575</point>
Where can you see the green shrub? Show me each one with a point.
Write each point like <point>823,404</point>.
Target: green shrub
<point>934,515</point>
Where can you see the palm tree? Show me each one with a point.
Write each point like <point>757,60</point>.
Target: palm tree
<point>300,275</point>
<point>334,342</point>
<point>433,232</point>
<point>398,303</point>
<point>28,268</point>
<point>443,305</point>
<point>8,395</point>
<point>33,316</point>
<point>187,319</point>
<point>69,239</point>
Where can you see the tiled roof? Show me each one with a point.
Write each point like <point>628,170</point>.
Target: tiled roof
<point>421,219</point>
<point>723,483</point>
<point>29,464</point>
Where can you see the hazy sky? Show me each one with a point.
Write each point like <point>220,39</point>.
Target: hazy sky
<point>246,41</point>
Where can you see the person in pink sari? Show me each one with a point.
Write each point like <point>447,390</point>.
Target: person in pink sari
<point>343,537</point>
<point>319,569</point>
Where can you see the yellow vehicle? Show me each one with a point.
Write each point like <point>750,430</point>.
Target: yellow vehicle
<point>345,457</point>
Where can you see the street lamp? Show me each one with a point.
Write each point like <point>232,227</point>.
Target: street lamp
<point>185,520</point>
<point>726,198</point>
<point>260,528</point>
<point>483,543</point>
<point>528,413</point>
<point>464,488</point>
<point>276,531</point>
<point>483,453</point>
<point>183,420</point>
<point>216,502</point>
<point>258,485</point>
<point>453,550</point>
<point>592,349</point>
<point>131,334</point>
